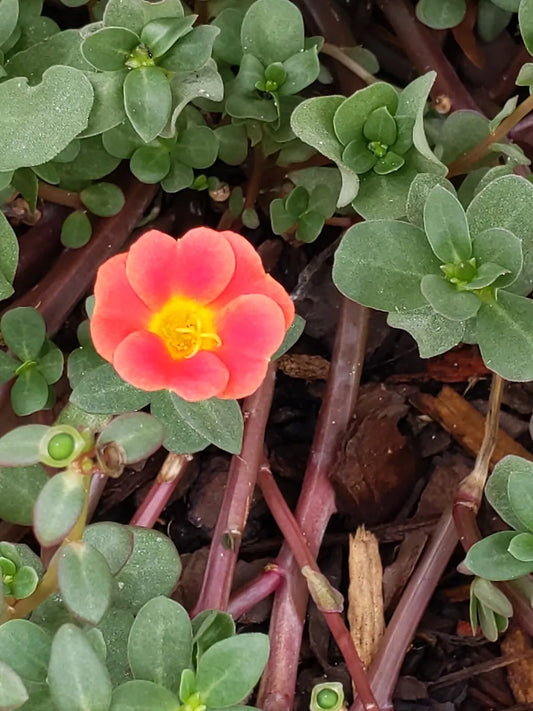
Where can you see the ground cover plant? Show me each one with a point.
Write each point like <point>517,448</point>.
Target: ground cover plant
<point>209,208</point>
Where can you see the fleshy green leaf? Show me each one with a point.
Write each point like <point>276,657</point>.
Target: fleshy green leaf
<point>30,392</point>
<point>353,113</point>
<point>50,363</point>
<point>233,143</point>
<point>9,252</point>
<point>103,199</point>
<point>113,541</point>
<point>447,300</point>
<point>140,695</point>
<point>197,147</point>
<point>191,52</point>
<point>26,648</point>
<point>520,491</point>
<point>103,391</point>
<point>446,226</point>
<point>228,671</point>
<point>497,491</point>
<point>419,190</point>
<point>159,35</point>
<point>179,436</point>
<point>272,30</point>
<point>525,21</point>
<point>20,446</point>
<point>137,433</point>
<point>499,246</point>
<point>490,558</point>
<point>19,489</point>
<point>160,643</point>
<point>77,677</point>
<point>148,101</point>
<point>108,105</point>
<point>441,15</point>
<point>152,569</point>
<point>76,230</point>
<point>505,335</point>
<point>85,581</point>
<point>34,127</point>
<point>109,48</point>
<point>150,164</point>
<point>210,627</point>
<point>302,69</point>
<point>24,331</point>
<point>521,547</point>
<point>492,597</point>
<point>12,691</point>
<point>8,366</point>
<point>205,417</point>
<point>58,507</point>
<point>433,333</point>
<point>381,264</point>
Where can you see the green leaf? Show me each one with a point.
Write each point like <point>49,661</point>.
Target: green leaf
<point>441,15</point>
<point>35,127</point>
<point>77,677</point>
<point>103,391</point>
<point>9,14</point>
<point>505,336</point>
<point>447,300</point>
<point>497,491</point>
<point>150,164</point>
<point>21,446</point>
<point>76,230</point>
<point>206,417</point>
<point>446,226</point>
<point>103,199</point>
<point>30,392</point>
<point>504,203</point>
<point>297,202</point>
<point>148,101</point>
<point>492,597</point>
<point>353,113</point>
<point>232,143</point>
<point>191,52</point>
<point>500,246</point>
<point>24,331</point>
<point>115,628</point>
<point>272,30</point>
<point>197,147</point>
<point>19,489</point>
<point>179,177</point>
<point>179,436</point>
<point>520,492</point>
<point>50,363</point>
<point>389,164</point>
<point>490,558</point>
<point>160,643</point>
<point>113,541</point>
<point>312,121</point>
<point>380,126</point>
<point>381,264</point>
<point>85,581</point>
<point>93,162</point>
<point>8,366</point>
<point>488,274</point>
<point>525,21</point>
<point>302,69</point>
<point>419,190</point>
<point>210,627</point>
<point>228,671</point>
<point>152,569</point>
<point>25,582</point>
<point>142,695</point>
<point>227,46</point>
<point>109,48</point>
<point>433,333</point>
<point>461,131</point>
<point>521,547</point>
<point>12,691</point>
<point>159,35</point>
<point>310,225</point>
<point>108,105</point>
<point>25,182</point>
<point>9,252</point>
<point>58,507</point>
<point>138,434</point>
<point>491,20</point>
<point>26,648</point>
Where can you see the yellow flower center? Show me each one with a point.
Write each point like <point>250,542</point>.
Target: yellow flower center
<point>185,327</point>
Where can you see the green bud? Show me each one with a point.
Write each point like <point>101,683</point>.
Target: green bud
<point>61,446</point>
<point>378,149</point>
<point>460,273</point>
<point>327,698</point>
<point>140,57</point>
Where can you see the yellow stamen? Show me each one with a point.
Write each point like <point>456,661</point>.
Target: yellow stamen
<point>185,327</point>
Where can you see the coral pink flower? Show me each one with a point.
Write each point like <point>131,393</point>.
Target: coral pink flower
<point>198,316</point>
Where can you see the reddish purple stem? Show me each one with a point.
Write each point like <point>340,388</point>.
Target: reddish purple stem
<point>161,490</point>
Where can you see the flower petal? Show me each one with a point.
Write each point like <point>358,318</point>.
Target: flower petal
<point>199,266</point>
<point>118,311</point>
<point>143,361</point>
<point>251,328</point>
<point>250,277</point>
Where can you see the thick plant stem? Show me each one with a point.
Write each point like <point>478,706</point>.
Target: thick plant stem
<point>161,490</point>
<point>218,576</point>
<point>385,668</point>
<point>419,43</point>
<point>315,507</point>
<point>257,590</point>
<point>300,550</point>
<point>464,164</point>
